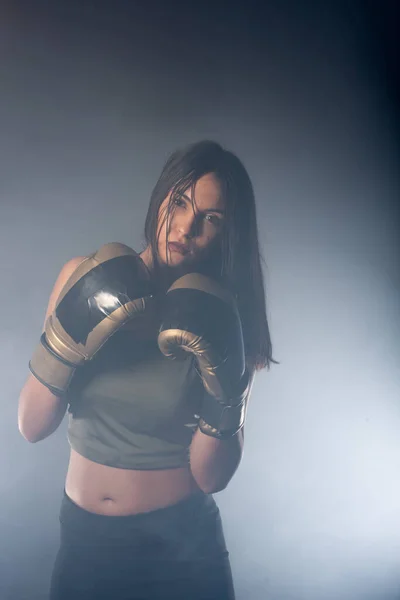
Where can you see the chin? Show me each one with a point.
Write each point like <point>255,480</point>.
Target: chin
<point>179,265</point>
<point>174,259</point>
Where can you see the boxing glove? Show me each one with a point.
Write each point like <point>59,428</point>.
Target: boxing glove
<point>201,317</point>
<point>109,288</point>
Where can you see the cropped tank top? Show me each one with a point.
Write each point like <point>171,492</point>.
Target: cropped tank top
<point>131,407</point>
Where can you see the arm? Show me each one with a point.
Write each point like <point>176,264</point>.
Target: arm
<point>93,297</point>
<point>40,412</point>
<point>213,462</point>
<point>202,318</point>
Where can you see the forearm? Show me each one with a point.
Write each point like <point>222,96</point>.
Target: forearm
<point>213,462</point>
<point>39,411</point>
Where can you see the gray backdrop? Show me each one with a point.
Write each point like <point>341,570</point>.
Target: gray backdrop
<point>92,102</point>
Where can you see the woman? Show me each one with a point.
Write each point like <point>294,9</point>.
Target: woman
<point>153,438</point>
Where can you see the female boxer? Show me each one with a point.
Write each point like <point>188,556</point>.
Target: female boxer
<point>153,357</point>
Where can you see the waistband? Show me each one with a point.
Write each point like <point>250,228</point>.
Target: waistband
<point>72,511</point>
<point>189,529</point>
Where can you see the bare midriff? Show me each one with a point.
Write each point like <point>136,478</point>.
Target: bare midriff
<point>116,492</point>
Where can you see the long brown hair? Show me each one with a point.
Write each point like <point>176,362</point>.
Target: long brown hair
<point>237,262</point>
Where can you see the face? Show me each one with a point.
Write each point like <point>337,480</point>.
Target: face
<point>193,226</point>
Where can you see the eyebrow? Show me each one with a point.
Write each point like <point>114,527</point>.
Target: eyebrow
<point>220,211</point>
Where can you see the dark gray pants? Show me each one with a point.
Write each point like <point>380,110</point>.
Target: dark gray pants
<point>176,553</point>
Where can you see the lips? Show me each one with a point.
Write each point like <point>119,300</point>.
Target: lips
<point>180,248</point>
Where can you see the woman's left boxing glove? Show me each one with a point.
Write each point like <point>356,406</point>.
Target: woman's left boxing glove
<point>201,317</point>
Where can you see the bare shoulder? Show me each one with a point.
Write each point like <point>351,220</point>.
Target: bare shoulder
<point>67,270</point>
<point>63,276</point>
<point>71,265</point>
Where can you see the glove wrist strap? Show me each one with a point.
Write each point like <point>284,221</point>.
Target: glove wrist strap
<point>221,420</point>
<point>50,369</point>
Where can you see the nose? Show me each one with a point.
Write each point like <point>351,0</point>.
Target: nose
<point>188,224</point>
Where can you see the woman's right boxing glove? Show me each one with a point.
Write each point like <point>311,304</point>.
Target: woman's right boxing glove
<point>108,289</point>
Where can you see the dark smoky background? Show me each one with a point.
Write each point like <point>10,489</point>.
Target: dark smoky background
<point>94,96</point>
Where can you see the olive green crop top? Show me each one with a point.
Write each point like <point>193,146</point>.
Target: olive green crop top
<point>133,408</point>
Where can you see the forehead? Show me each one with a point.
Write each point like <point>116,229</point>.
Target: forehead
<point>207,192</point>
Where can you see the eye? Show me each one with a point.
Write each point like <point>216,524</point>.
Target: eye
<point>213,219</point>
<point>178,201</point>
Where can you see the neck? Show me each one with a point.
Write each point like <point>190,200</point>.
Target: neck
<point>163,275</point>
